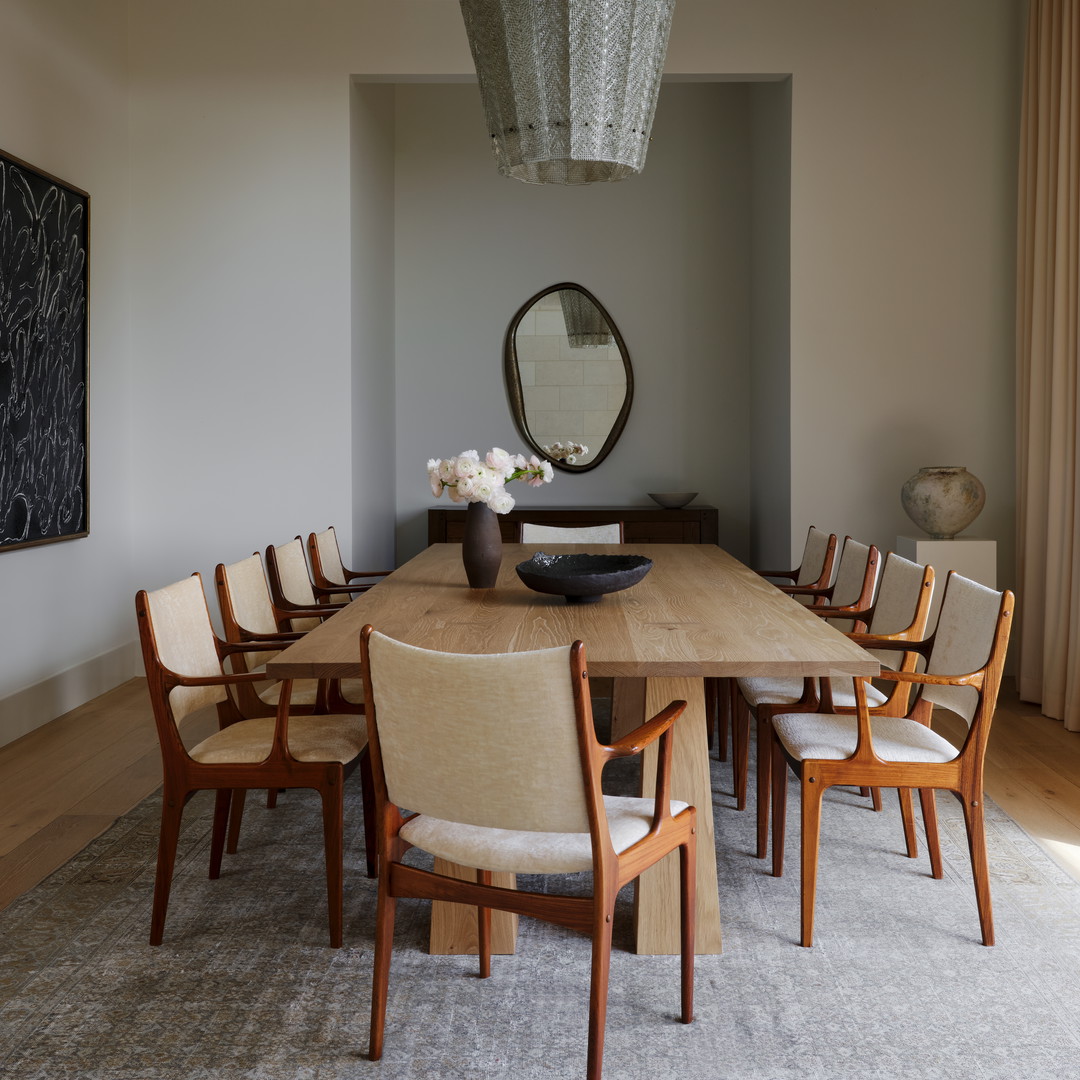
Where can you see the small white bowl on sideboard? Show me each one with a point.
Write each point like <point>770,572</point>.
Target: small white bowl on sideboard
<point>672,500</point>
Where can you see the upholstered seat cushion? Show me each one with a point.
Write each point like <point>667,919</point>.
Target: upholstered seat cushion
<point>304,692</point>
<point>778,690</point>
<point>826,736</point>
<point>311,738</point>
<point>531,852</point>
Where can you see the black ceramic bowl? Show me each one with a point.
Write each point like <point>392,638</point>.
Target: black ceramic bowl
<point>582,579</point>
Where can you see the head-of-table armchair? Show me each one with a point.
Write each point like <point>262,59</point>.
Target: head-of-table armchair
<point>496,758</point>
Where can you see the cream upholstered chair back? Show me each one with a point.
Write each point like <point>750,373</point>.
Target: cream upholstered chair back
<point>252,608</point>
<point>488,740</point>
<point>330,556</point>
<point>183,639</point>
<point>899,592</point>
<point>850,578</point>
<point>582,534</point>
<point>296,581</point>
<point>813,559</point>
<point>966,630</point>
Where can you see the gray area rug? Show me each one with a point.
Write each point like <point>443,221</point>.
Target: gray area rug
<point>896,985</point>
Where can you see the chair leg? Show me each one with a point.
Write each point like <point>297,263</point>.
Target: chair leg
<point>928,802</point>
<point>907,814</point>
<point>875,799</point>
<point>333,801</point>
<point>980,869</point>
<point>812,793</point>
<point>688,898</point>
<point>764,780</point>
<point>483,928</point>
<point>713,692</point>
<point>725,698</point>
<point>779,804</point>
<point>172,809</point>
<point>271,798</point>
<point>598,989</point>
<point>217,835</point>
<point>236,816</point>
<point>384,947</point>
<point>740,749</point>
<point>367,796</point>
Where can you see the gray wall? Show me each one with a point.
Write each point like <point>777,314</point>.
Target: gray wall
<point>667,253</point>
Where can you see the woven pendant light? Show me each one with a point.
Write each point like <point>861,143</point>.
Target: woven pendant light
<point>569,86</point>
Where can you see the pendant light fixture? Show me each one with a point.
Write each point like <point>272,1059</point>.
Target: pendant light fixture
<point>569,86</point>
<point>586,328</point>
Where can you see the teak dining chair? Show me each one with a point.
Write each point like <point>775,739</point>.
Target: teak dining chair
<point>290,585</point>
<point>184,672</point>
<point>330,577</point>
<point>496,758</point>
<point>532,533</point>
<point>964,659</point>
<point>899,613</point>
<point>721,696</point>
<point>849,596</point>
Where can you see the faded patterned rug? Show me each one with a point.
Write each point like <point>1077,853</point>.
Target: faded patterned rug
<point>245,987</point>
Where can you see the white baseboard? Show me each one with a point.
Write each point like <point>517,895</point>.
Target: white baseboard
<point>28,709</point>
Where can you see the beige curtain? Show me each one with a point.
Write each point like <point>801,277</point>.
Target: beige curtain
<point>1048,364</point>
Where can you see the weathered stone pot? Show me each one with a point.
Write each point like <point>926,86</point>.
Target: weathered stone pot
<point>943,500</point>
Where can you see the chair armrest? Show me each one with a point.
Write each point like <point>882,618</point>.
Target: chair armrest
<point>649,732</point>
<point>276,635</point>
<point>351,574</point>
<point>790,574</point>
<point>888,642</point>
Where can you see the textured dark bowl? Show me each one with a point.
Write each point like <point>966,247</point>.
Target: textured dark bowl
<point>582,579</point>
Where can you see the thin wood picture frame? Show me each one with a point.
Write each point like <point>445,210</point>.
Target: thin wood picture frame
<point>44,357</point>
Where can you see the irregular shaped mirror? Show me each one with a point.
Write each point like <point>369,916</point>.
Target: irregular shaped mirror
<point>568,377</point>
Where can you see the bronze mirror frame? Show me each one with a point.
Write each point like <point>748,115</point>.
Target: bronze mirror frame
<point>516,394</point>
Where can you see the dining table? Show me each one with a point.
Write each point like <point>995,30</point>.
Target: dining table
<point>698,613</point>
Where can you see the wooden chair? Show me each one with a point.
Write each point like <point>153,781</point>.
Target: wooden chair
<point>496,756</point>
<point>291,587</point>
<point>532,533</point>
<point>964,659</point>
<point>899,613</point>
<point>330,577</point>
<point>248,613</point>
<point>850,595</point>
<point>815,570</point>
<point>184,672</point>
<point>721,697</point>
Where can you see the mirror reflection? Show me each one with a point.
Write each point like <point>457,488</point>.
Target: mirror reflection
<point>568,377</point>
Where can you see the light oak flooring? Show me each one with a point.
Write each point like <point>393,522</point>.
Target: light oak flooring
<point>64,784</point>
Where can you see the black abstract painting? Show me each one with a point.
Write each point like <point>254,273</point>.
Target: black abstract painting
<point>44,267</point>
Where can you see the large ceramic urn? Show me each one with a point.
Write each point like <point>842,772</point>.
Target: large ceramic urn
<point>943,500</point>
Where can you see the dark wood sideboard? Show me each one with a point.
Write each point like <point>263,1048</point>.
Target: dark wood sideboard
<point>641,524</point>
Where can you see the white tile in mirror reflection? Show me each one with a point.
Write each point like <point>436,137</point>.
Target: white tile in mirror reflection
<point>554,426</point>
<point>550,322</point>
<point>604,373</point>
<point>559,373</point>
<point>538,347</point>
<point>541,399</point>
<point>584,398</point>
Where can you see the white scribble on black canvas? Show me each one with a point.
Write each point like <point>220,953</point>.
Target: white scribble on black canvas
<point>44,234</point>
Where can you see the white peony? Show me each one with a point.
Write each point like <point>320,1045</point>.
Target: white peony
<point>502,502</point>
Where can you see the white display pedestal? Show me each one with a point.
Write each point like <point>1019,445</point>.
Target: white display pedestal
<point>974,557</point>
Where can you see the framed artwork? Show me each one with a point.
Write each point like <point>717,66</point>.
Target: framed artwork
<point>44,313</point>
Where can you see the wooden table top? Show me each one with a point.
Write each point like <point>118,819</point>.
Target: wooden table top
<point>698,612</point>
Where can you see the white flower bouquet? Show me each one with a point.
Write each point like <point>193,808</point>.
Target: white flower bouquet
<point>468,479</point>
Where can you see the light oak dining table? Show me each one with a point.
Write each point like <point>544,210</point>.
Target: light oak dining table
<point>699,612</point>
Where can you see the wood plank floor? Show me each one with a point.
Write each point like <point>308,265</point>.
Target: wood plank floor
<point>64,784</point>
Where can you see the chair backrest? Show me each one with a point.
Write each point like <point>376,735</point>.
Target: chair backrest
<point>489,740</point>
<point>177,636</point>
<point>532,533</point>
<point>326,564</point>
<point>815,553</point>
<point>902,604</point>
<point>244,599</point>
<point>972,631</point>
<point>856,578</point>
<point>288,568</point>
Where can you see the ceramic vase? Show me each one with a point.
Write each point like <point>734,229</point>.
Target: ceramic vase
<point>481,546</point>
<point>943,500</point>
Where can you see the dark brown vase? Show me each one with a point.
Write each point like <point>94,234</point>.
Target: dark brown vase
<point>481,546</point>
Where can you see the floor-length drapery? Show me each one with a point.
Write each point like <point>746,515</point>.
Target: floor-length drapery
<point>1048,364</point>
